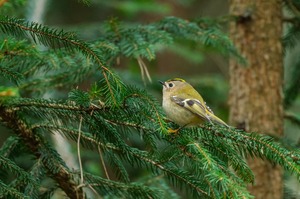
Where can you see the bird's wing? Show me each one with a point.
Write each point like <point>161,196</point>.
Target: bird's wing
<point>198,108</point>
<point>193,105</point>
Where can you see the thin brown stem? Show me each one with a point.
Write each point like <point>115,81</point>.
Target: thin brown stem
<point>79,154</point>
<point>103,163</point>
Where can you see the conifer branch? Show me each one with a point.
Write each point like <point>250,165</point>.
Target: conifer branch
<point>62,176</point>
<point>119,189</point>
<point>287,160</point>
<point>167,169</point>
<point>8,146</point>
<point>207,161</point>
<point>9,191</point>
<point>10,74</point>
<point>149,101</point>
<point>55,39</point>
<point>257,145</point>
<point>43,104</point>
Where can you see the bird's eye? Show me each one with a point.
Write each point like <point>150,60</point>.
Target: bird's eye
<point>171,85</point>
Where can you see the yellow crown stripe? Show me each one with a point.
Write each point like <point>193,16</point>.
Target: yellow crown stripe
<point>176,79</point>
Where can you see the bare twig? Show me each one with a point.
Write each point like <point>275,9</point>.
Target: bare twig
<point>78,153</point>
<point>103,163</point>
<point>144,70</point>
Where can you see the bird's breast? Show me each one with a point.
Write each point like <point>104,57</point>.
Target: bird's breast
<point>179,114</point>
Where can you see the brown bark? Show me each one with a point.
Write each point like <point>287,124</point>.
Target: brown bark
<point>256,89</point>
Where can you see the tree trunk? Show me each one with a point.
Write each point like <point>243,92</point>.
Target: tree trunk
<point>256,102</point>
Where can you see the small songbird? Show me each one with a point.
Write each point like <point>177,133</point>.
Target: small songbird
<point>185,106</point>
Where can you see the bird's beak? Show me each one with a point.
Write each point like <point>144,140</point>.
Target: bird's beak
<point>162,83</point>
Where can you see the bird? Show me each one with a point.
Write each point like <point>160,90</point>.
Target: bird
<point>184,106</point>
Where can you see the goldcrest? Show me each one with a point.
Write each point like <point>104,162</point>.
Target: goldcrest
<point>185,106</point>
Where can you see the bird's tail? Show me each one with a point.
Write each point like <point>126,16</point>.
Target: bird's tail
<point>217,120</point>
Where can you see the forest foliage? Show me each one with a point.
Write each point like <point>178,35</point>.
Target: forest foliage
<point>108,117</point>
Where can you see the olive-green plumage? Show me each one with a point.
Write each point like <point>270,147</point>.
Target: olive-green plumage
<point>185,106</point>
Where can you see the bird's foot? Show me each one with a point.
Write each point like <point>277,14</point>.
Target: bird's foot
<point>174,131</point>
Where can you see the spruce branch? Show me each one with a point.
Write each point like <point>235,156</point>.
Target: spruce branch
<point>12,192</point>
<point>119,189</point>
<point>61,175</point>
<point>210,148</point>
<point>57,39</point>
<point>203,33</point>
<point>153,106</point>
<point>9,145</point>
<point>173,172</point>
<point>10,74</point>
<point>12,167</point>
<point>18,104</point>
<point>139,155</point>
<point>254,144</point>
<point>207,151</point>
<point>213,169</point>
